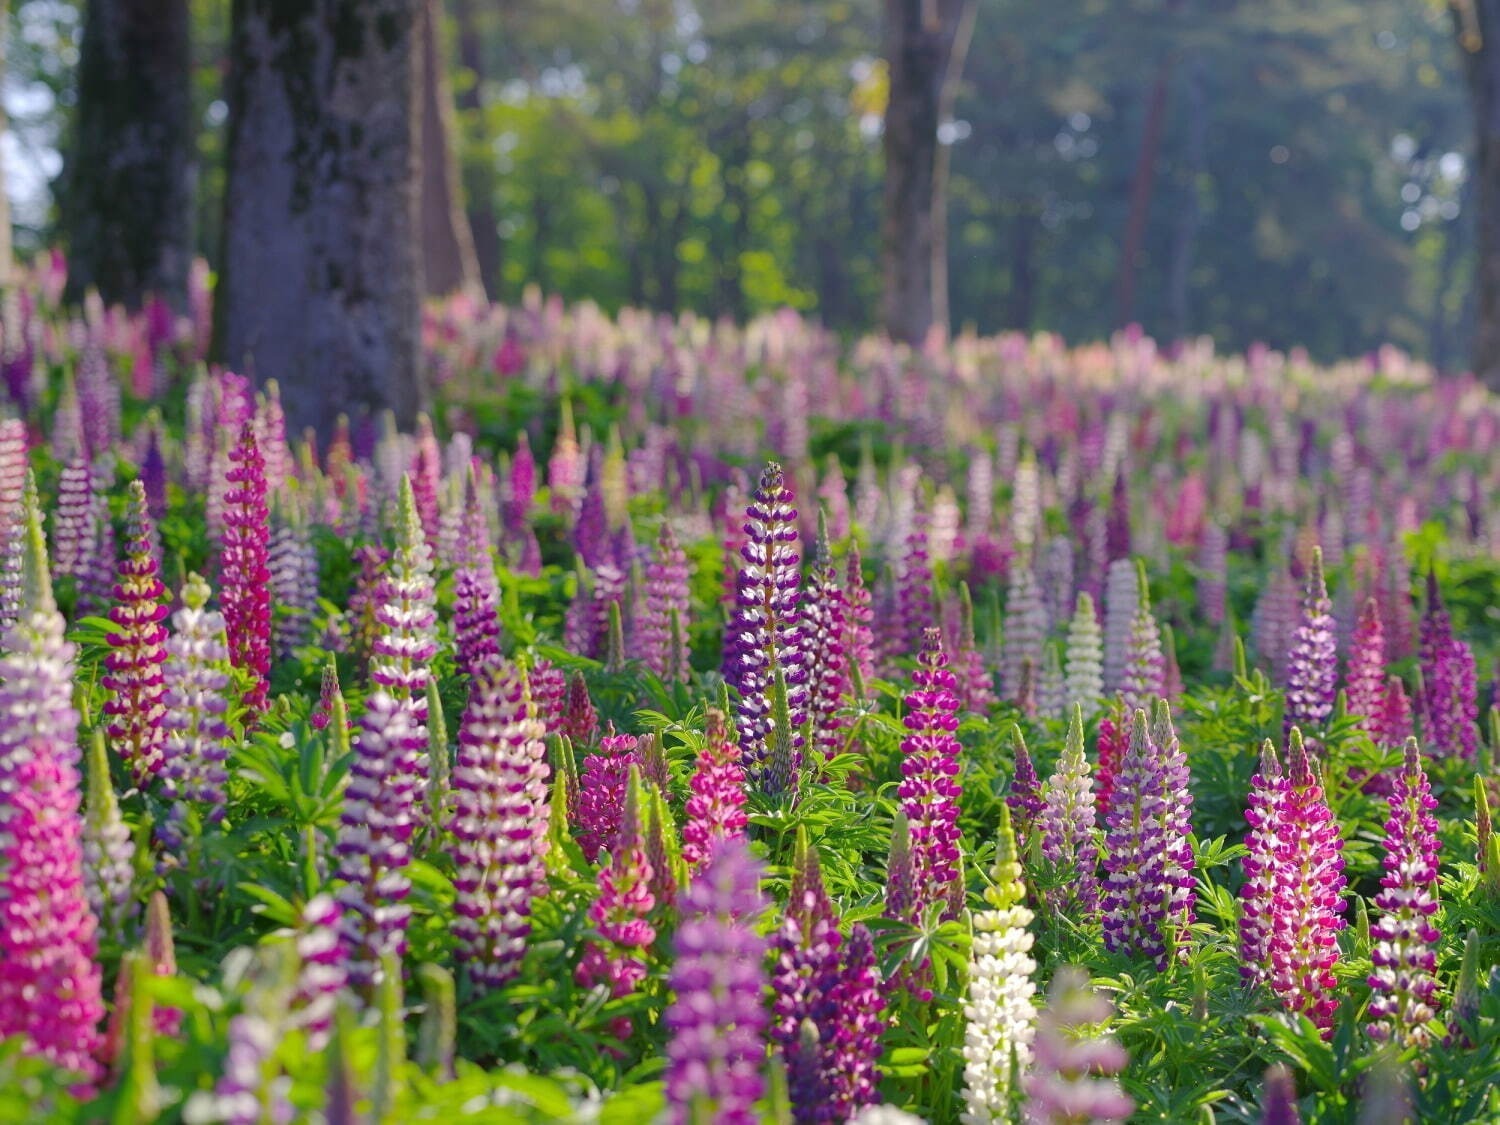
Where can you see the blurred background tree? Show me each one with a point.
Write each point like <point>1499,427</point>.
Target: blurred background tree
<point>1261,170</point>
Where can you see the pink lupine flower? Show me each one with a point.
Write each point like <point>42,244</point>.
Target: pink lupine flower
<point>716,808</point>
<point>601,793</point>
<point>825,626</point>
<point>244,569</point>
<point>859,642</point>
<point>1364,679</point>
<point>930,788</point>
<point>663,628</point>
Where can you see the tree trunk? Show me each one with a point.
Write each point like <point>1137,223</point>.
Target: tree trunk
<point>6,255</point>
<point>919,45</point>
<point>322,280</point>
<point>1190,217</point>
<point>947,97</point>
<point>1478,28</point>
<point>1143,184</point>
<point>128,196</point>
<point>448,259</point>
<point>478,175</point>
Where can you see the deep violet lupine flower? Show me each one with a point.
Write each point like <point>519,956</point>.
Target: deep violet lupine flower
<point>197,738</point>
<point>1403,953</point>
<point>1071,1076</point>
<point>667,609</point>
<point>715,1022</point>
<point>1177,816</point>
<point>245,577</point>
<point>825,626</point>
<point>1312,663</point>
<point>1083,683</point>
<point>580,721</point>
<point>12,517</point>
<point>365,598</point>
<point>1066,824</point>
<point>1144,676</point>
<point>1301,889</point>
<point>499,825</point>
<point>133,666</point>
<point>621,914</point>
<point>859,1000</point>
<point>764,639</point>
<point>1364,679</point>
<point>1025,797</point>
<point>1448,703</point>
<point>715,810</point>
<point>999,1015</point>
<point>50,988</point>
<point>859,641</point>
<point>1142,854</point>
<point>601,793</point>
<point>930,788</point>
<point>374,844</point>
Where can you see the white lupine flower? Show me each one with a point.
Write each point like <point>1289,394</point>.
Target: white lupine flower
<point>1085,677</point>
<point>999,1011</point>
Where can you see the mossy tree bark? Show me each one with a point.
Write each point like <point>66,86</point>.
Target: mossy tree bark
<point>321,282</point>
<point>127,199</point>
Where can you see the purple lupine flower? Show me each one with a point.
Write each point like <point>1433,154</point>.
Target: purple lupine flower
<point>1312,662</point>
<point>1143,677</point>
<point>806,953</point>
<point>1273,624</point>
<point>96,585</point>
<point>243,1095</point>
<point>197,738</point>
<point>715,1053</point>
<point>322,973</point>
<point>1448,704</point>
<point>621,913</point>
<point>365,598</point>
<point>1070,1079</point>
<point>914,585</point>
<point>1025,796</point>
<point>825,622</point>
<point>1054,575</point>
<point>293,566</point>
<point>663,628</point>
<point>476,592</point>
<point>1403,955</point>
<point>12,517</point>
<point>374,843</point>
<point>1213,566</point>
<point>1393,725</point>
<point>1278,1105</point>
<point>1364,679</point>
<point>549,686</point>
<point>108,849</point>
<point>859,641</point>
<point>1117,524</point>
<point>1177,817</point>
<point>764,638</point>
<point>522,491</point>
<point>1025,629</point>
<point>930,788</point>
<point>580,721</point>
<point>716,809</point>
<point>499,826</point>
<point>859,1001</point>
<point>591,531</point>
<point>1266,814</point>
<point>74,520</point>
<point>1066,823</point>
<point>602,793</point>
<point>133,666</point>
<point>243,566</point>
<point>1141,855</point>
<point>50,988</point>
<point>1306,892</point>
<point>1121,600</point>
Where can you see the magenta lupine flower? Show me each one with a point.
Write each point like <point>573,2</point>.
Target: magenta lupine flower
<point>930,788</point>
<point>1025,796</point>
<point>426,477</point>
<point>601,793</point>
<point>270,430</point>
<point>499,826</point>
<point>663,629</point>
<point>244,571</point>
<point>293,565</point>
<point>1072,1068</point>
<point>859,641</point>
<point>549,686</point>
<point>374,843</point>
<point>12,517</point>
<point>196,736</point>
<point>1066,824</point>
<point>1025,630</point>
<point>825,621</point>
<point>764,637</point>
<point>716,809</point>
<point>914,586</point>
<point>1144,677</point>
<point>1143,853</point>
<point>1312,663</point>
<point>580,721</point>
<point>715,1054</point>
<point>1404,950</point>
<point>1299,888</point>
<point>621,914</point>
<point>1364,679</point>
<point>522,491</point>
<point>133,666</point>
<point>1393,724</point>
<point>323,712</point>
<point>322,973</point>
<point>859,1001</point>
<point>1111,746</point>
<point>50,988</point>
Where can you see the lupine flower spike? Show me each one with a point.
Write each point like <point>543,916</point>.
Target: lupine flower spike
<point>1312,664</point>
<point>930,788</point>
<point>244,569</point>
<point>716,807</point>
<point>1067,829</point>
<point>1071,1078</point>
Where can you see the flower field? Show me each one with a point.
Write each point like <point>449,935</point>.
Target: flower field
<point>709,724</point>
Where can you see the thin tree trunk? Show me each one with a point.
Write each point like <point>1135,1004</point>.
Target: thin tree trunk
<point>1190,214</point>
<point>1143,184</point>
<point>1477,24</point>
<point>947,97</point>
<point>128,195</point>
<point>919,41</point>
<point>448,258</point>
<point>322,280</point>
<point>478,175</point>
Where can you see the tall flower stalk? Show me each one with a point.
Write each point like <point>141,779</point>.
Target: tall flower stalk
<point>930,788</point>
<point>1067,829</point>
<point>244,560</point>
<point>1312,664</point>
<point>716,806</point>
